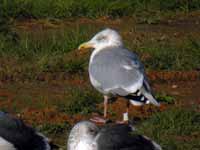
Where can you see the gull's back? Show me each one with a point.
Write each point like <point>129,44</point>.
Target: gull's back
<point>121,137</point>
<point>22,137</point>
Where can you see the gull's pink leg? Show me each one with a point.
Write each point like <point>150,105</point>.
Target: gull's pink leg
<point>102,120</point>
<point>105,106</point>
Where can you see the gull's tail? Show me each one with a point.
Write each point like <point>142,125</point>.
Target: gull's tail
<point>143,96</point>
<point>155,145</point>
<point>149,96</point>
<point>137,99</point>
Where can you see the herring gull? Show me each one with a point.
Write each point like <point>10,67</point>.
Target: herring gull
<point>15,135</point>
<point>86,135</point>
<point>117,72</point>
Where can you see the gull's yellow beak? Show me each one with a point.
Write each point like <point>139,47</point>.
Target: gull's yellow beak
<point>85,45</point>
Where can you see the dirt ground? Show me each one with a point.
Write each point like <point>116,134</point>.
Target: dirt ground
<point>40,97</point>
<point>35,103</point>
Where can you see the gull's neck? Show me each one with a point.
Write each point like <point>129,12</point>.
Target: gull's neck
<point>80,142</point>
<point>85,143</point>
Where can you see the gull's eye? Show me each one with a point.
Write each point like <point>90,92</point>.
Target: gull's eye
<point>100,38</point>
<point>92,130</point>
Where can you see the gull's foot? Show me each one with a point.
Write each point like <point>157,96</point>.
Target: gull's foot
<point>100,120</point>
<point>122,122</point>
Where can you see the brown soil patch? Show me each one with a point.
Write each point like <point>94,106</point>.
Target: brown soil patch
<point>138,112</point>
<point>45,115</point>
<point>154,76</point>
<point>186,93</point>
<point>168,76</point>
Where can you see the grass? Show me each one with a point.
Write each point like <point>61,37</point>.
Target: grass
<point>32,56</point>
<point>90,8</point>
<point>81,101</point>
<point>163,97</point>
<point>176,129</point>
<point>53,128</point>
<point>57,53</point>
<point>185,57</point>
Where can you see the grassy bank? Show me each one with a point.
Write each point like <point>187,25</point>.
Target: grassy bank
<point>176,129</point>
<point>27,56</point>
<point>90,8</point>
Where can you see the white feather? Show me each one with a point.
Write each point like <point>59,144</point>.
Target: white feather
<point>5,145</point>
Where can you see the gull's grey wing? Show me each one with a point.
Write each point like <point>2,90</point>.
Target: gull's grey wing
<point>121,137</point>
<point>23,137</point>
<point>117,71</point>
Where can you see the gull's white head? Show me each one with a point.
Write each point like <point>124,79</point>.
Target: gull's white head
<point>84,133</point>
<point>106,38</point>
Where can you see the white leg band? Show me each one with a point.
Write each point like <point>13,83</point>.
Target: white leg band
<point>125,116</point>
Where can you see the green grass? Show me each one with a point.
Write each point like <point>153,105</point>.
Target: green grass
<point>54,128</point>
<point>29,56</point>
<point>169,56</point>
<point>57,132</point>
<point>81,101</point>
<point>163,97</point>
<point>177,129</point>
<point>90,8</point>
<point>32,56</point>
